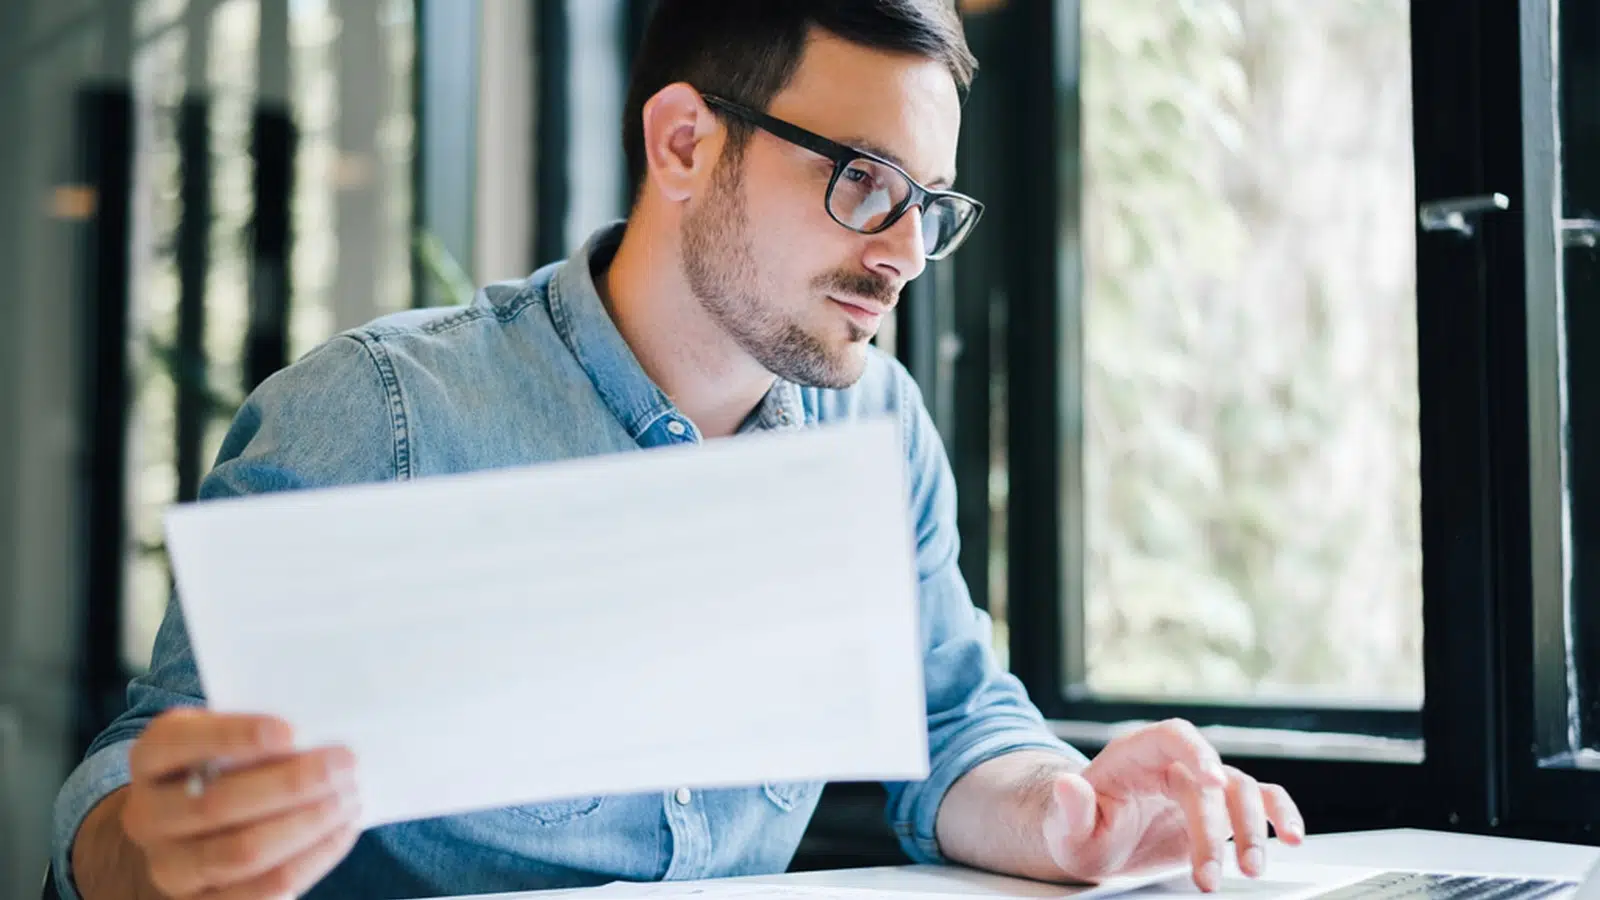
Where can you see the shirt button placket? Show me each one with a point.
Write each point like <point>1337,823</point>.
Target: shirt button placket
<point>691,835</point>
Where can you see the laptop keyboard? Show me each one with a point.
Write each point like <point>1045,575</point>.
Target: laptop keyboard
<point>1426,886</point>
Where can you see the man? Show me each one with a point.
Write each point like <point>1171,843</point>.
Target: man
<point>794,159</point>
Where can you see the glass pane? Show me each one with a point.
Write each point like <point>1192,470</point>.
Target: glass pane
<point>352,106</point>
<point>598,83</point>
<point>350,66</point>
<point>1251,493</point>
<point>160,70</point>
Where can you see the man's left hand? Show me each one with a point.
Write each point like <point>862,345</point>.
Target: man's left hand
<point>1158,796</point>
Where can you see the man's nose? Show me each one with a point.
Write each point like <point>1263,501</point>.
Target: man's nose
<point>897,252</point>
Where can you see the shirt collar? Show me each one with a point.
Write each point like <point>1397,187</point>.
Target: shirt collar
<point>583,322</point>
<point>781,409</point>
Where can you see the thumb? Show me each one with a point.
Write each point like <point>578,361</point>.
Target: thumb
<point>1070,816</point>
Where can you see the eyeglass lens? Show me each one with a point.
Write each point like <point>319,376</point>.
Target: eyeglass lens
<point>867,193</point>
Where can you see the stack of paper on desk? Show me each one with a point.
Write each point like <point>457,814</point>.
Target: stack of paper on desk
<point>727,614</point>
<point>732,889</point>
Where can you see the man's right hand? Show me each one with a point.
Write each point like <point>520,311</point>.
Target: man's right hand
<point>270,824</point>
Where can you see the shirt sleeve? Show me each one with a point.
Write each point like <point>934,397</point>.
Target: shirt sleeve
<point>976,710</point>
<point>325,420</point>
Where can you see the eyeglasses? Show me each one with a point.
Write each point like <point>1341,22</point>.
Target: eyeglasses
<point>868,194</point>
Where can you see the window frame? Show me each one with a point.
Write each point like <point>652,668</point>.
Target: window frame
<point>1577,240</point>
<point>1548,790</point>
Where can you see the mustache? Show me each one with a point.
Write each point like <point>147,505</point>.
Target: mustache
<point>866,285</point>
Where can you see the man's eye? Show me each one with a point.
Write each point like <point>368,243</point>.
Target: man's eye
<point>858,176</point>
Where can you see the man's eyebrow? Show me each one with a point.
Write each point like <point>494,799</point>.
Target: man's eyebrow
<point>877,149</point>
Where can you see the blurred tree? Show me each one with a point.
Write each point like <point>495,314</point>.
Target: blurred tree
<point>1251,410</point>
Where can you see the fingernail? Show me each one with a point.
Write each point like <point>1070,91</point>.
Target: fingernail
<point>1209,877</point>
<point>1214,772</point>
<point>1252,861</point>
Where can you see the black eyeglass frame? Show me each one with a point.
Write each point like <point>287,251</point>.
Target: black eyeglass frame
<point>842,155</point>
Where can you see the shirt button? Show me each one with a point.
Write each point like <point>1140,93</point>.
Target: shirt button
<point>682,796</point>
<point>677,428</point>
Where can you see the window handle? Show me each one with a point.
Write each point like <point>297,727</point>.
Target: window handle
<point>1460,214</point>
<point>1580,232</point>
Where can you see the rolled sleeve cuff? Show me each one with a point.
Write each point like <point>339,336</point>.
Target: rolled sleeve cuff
<point>917,813</point>
<point>103,772</point>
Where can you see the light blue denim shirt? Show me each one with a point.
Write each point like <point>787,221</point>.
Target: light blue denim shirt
<point>532,371</point>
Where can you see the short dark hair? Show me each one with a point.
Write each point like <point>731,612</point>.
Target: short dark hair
<point>748,50</point>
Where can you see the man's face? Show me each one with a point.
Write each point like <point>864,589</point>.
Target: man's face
<point>800,293</point>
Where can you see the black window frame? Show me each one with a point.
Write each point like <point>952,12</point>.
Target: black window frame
<point>1551,776</point>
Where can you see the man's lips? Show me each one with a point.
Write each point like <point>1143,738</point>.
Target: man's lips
<point>861,310</point>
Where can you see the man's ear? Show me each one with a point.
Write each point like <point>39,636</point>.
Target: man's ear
<point>682,141</point>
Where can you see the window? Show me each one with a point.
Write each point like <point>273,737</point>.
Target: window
<point>287,170</point>
<point>1288,416</point>
<point>1234,466</point>
<point>230,278</point>
<point>255,177</point>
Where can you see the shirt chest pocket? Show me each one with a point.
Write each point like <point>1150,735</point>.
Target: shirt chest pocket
<point>559,812</point>
<point>786,795</point>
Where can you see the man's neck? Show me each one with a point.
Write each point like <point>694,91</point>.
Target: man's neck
<point>681,348</point>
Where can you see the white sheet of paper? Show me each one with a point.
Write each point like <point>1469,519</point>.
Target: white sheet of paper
<point>737,890</point>
<point>725,614</point>
<point>901,883</point>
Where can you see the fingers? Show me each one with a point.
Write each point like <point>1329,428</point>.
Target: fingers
<point>185,738</point>
<point>1284,814</point>
<point>1204,811</point>
<point>166,811</point>
<point>1248,814</point>
<point>1138,762</point>
<point>271,824</point>
<point>1173,762</point>
<point>295,877</point>
<point>243,854</point>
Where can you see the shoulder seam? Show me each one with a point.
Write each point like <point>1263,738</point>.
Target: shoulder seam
<point>527,295</point>
<point>400,430</point>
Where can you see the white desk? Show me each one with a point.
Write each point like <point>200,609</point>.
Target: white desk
<point>1409,849</point>
<point>1400,849</point>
